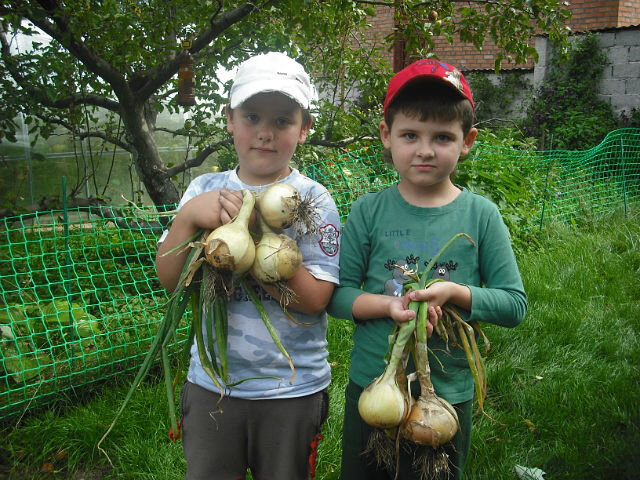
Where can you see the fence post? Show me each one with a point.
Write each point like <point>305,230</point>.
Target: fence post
<point>67,261</point>
<point>624,177</point>
<point>27,154</point>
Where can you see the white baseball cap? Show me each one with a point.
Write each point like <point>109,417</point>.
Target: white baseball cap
<point>271,72</point>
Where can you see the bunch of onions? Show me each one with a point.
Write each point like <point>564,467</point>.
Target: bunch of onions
<point>277,256</point>
<point>428,422</point>
<point>230,247</point>
<point>282,206</point>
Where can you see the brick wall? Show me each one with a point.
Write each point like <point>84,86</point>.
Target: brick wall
<point>629,13</point>
<point>587,15</point>
<point>590,15</point>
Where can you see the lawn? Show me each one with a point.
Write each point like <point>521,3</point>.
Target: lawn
<point>564,385</point>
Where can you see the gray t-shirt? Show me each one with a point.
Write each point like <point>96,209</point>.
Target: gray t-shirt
<point>251,351</point>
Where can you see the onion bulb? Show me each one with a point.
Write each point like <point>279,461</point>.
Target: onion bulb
<point>282,206</point>
<point>431,421</point>
<point>277,256</point>
<point>230,246</point>
<point>382,403</point>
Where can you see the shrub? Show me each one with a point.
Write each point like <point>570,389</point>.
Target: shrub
<point>565,110</point>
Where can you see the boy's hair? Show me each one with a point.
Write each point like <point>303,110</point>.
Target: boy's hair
<point>431,100</point>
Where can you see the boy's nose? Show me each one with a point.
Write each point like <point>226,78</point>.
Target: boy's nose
<point>265,133</point>
<point>424,150</point>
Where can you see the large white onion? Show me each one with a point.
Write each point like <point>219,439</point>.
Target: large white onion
<point>277,257</point>
<point>278,205</point>
<point>230,246</point>
<point>382,403</point>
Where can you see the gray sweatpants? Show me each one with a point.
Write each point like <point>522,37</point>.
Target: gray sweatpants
<point>273,438</point>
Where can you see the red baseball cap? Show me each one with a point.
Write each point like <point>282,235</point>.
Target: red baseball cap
<point>428,68</point>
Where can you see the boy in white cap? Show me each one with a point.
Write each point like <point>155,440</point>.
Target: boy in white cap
<point>265,423</point>
<point>427,127</point>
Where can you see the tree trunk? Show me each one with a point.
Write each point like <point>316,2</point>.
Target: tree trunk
<point>146,158</point>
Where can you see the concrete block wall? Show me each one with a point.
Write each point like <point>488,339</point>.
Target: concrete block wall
<point>620,83</point>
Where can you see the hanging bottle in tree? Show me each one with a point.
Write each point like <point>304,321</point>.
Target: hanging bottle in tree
<point>186,83</point>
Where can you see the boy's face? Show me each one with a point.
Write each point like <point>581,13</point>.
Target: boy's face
<point>266,130</point>
<point>425,152</point>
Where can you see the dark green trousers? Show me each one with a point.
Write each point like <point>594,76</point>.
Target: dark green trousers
<point>357,465</point>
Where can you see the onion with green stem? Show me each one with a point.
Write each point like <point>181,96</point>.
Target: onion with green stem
<point>432,420</point>
<point>229,250</point>
<point>230,247</point>
<point>383,404</point>
<point>429,422</point>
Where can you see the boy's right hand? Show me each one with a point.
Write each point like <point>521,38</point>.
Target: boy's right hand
<point>230,203</point>
<point>206,211</point>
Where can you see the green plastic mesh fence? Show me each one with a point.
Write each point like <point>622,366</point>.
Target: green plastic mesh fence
<point>81,301</point>
<point>576,184</point>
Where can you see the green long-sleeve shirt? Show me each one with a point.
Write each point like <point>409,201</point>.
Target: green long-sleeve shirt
<point>383,230</point>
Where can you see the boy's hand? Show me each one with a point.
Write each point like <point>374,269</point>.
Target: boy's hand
<point>230,203</point>
<point>212,209</point>
<point>400,313</point>
<point>439,293</point>
<point>201,212</point>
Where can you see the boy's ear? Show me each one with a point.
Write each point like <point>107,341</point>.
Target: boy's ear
<point>228,113</point>
<point>304,131</point>
<point>469,141</point>
<point>384,134</point>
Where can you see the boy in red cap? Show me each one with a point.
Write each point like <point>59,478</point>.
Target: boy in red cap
<point>427,127</point>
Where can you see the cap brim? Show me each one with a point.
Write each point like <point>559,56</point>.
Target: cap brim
<point>291,90</point>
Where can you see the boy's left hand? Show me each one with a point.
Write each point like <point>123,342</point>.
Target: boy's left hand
<point>400,313</point>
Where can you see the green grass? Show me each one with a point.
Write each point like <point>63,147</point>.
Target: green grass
<point>565,383</point>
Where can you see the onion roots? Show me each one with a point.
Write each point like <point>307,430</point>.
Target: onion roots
<point>282,206</point>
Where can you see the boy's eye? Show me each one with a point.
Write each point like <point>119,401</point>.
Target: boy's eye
<point>410,136</point>
<point>252,117</point>
<point>443,138</point>
<point>283,122</point>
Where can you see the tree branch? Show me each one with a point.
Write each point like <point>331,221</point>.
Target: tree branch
<point>320,142</point>
<point>158,76</point>
<point>59,30</point>
<point>198,159</point>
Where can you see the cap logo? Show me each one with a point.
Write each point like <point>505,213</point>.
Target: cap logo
<point>453,77</point>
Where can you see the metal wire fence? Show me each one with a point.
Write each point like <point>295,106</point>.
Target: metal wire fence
<point>81,301</point>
